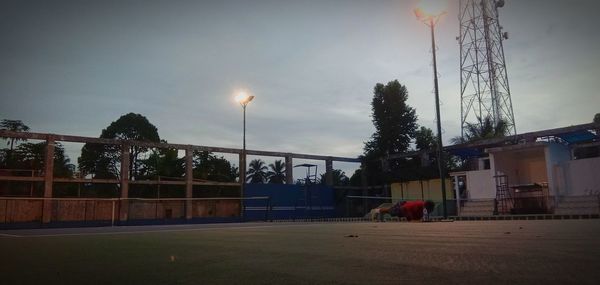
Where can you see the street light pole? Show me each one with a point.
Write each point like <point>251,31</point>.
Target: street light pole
<point>244,99</point>
<point>430,18</point>
<point>439,121</point>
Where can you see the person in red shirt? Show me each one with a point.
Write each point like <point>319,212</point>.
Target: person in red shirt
<point>411,210</point>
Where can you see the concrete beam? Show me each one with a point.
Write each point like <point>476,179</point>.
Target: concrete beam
<point>80,139</point>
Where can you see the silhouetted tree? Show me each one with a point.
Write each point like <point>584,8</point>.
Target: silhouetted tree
<point>276,174</point>
<point>32,155</point>
<point>6,158</point>
<point>215,168</point>
<point>15,126</point>
<point>395,126</point>
<point>103,161</point>
<point>485,129</point>
<point>257,172</point>
<point>424,139</point>
<point>339,178</point>
<point>162,162</point>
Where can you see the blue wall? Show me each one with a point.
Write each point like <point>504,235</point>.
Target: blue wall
<point>289,201</point>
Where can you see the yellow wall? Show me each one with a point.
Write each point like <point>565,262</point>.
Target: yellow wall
<point>419,190</point>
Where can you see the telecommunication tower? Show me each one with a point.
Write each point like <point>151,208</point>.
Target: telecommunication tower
<point>484,88</point>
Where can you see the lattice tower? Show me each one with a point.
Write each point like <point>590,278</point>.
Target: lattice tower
<point>484,88</point>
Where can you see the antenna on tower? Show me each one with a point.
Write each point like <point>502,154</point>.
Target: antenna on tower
<point>484,88</point>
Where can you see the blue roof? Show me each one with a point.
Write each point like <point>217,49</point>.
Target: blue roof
<point>466,152</point>
<point>578,136</point>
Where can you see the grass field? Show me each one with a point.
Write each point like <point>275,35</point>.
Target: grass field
<point>498,252</point>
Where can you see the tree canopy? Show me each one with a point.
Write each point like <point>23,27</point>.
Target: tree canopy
<point>424,139</point>
<point>257,172</point>
<point>394,120</point>
<point>103,161</point>
<point>276,173</point>
<point>15,126</point>
<point>395,125</point>
<point>485,129</point>
<point>214,168</point>
<point>339,178</point>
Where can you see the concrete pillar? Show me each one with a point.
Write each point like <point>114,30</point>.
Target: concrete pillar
<point>289,170</point>
<point>189,182</point>
<point>457,194</point>
<point>48,179</point>
<point>329,172</point>
<point>124,212</point>
<point>363,182</point>
<point>242,162</point>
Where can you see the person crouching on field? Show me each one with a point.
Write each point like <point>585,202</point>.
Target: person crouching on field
<point>411,210</point>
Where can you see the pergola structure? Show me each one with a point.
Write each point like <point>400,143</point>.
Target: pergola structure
<point>48,178</point>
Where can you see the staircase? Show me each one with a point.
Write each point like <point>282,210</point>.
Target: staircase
<point>477,208</point>
<point>578,205</point>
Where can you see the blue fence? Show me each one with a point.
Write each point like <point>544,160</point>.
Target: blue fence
<point>289,201</point>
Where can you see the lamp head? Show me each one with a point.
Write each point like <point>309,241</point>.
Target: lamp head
<point>243,98</point>
<point>430,10</point>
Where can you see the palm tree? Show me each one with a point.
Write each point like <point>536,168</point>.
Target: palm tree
<point>277,173</point>
<point>486,129</point>
<point>257,172</point>
<point>15,126</point>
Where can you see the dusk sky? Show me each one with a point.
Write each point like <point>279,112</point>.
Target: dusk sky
<point>73,67</point>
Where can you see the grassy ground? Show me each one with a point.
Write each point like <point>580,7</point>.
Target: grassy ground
<point>500,252</point>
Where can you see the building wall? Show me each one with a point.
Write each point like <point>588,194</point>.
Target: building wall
<point>421,190</point>
<point>522,166</point>
<point>579,177</point>
<point>480,184</point>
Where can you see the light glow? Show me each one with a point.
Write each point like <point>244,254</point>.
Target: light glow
<point>430,9</point>
<point>243,98</point>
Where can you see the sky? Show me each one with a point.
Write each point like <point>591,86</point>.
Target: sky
<point>73,67</point>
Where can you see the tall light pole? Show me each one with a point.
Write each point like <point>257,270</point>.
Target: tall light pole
<point>429,13</point>
<point>244,99</point>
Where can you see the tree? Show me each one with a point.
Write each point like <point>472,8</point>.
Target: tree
<point>104,161</point>
<point>6,157</point>
<point>424,139</point>
<point>32,155</point>
<point>276,174</point>
<point>395,125</point>
<point>339,178</point>
<point>211,167</point>
<point>597,118</point>
<point>257,172</point>
<point>14,126</point>
<point>395,121</point>
<point>485,129</point>
<point>162,162</point>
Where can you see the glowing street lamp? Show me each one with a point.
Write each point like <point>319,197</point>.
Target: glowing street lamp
<point>244,99</point>
<point>430,12</point>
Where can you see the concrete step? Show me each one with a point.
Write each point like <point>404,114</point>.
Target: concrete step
<point>479,206</point>
<point>578,198</point>
<point>479,202</point>
<point>476,210</point>
<point>580,204</point>
<point>476,214</point>
<point>571,211</point>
